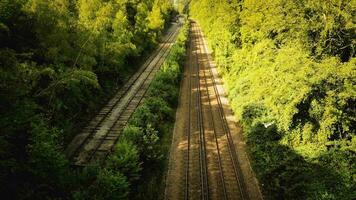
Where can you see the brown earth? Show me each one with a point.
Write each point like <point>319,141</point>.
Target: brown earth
<point>208,158</point>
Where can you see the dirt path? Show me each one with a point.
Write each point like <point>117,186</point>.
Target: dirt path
<point>208,157</point>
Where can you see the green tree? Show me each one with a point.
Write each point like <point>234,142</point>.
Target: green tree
<point>58,60</point>
<point>289,65</point>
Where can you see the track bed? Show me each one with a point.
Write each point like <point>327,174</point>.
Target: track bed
<point>99,137</point>
<point>208,159</point>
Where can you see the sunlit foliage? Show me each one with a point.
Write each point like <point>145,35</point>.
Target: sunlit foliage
<point>289,68</point>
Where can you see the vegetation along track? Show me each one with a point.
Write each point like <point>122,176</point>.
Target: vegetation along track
<point>204,146</point>
<point>97,139</point>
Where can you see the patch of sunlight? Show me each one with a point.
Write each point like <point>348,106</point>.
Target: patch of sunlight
<point>310,151</point>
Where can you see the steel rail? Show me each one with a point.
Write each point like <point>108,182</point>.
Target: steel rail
<point>141,86</point>
<point>142,97</point>
<point>231,146</point>
<point>213,124</point>
<point>104,114</point>
<point>202,146</point>
<point>188,131</point>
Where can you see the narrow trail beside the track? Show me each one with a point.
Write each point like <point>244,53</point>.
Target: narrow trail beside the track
<point>208,157</point>
<point>99,137</point>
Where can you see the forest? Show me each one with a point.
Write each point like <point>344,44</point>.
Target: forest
<point>288,67</point>
<point>59,62</point>
<point>290,71</point>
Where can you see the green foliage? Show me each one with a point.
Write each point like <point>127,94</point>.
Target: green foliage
<point>147,133</point>
<point>108,185</point>
<point>146,140</point>
<point>165,91</point>
<point>125,160</point>
<point>47,161</point>
<point>59,59</point>
<point>68,91</point>
<point>153,112</point>
<point>290,65</point>
<point>111,185</point>
<point>183,6</point>
<point>288,175</point>
<point>146,123</point>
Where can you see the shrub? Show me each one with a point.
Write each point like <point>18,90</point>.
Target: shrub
<point>125,159</point>
<point>153,111</point>
<point>48,163</point>
<point>165,91</point>
<point>109,184</point>
<point>146,140</point>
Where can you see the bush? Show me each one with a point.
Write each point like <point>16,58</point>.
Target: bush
<point>109,184</point>
<point>47,162</point>
<point>153,111</point>
<point>46,157</point>
<point>147,141</point>
<point>125,159</point>
<point>165,91</point>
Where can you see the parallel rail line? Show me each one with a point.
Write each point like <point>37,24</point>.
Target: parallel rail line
<point>112,136</point>
<point>203,168</point>
<point>230,162</point>
<point>194,81</point>
<point>221,172</point>
<point>230,144</point>
<point>108,136</point>
<point>186,191</point>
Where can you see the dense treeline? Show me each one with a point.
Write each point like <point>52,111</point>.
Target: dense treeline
<point>289,68</point>
<point>59,59</point>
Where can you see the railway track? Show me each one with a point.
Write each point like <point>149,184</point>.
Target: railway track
<point>196,184</point>
<point>187,128</point>
<point>98,139</point>
<point>211,170</point>
<point>225,135</point>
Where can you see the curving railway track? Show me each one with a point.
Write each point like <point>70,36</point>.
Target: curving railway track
<point>99,137</point>
<point>204,160</point>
